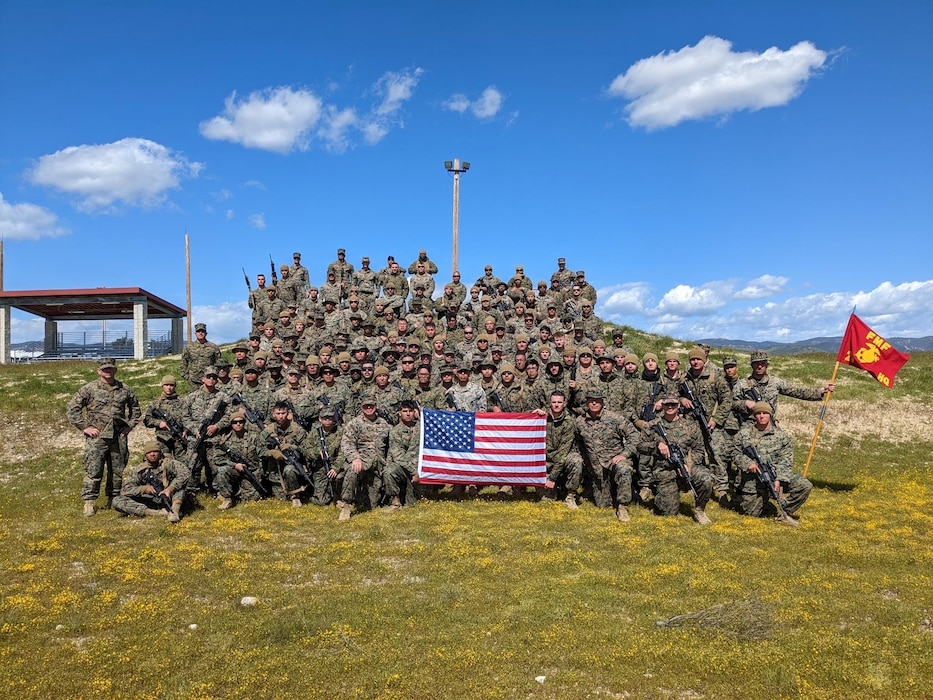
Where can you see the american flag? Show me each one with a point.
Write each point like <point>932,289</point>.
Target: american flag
<point>482,448</point>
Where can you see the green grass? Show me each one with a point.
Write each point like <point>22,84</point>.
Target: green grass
<point>473,599</point>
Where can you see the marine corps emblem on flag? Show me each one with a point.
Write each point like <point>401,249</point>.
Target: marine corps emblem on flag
<point>862,347</point>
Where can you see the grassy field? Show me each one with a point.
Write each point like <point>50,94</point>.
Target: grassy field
<point>476,599</point>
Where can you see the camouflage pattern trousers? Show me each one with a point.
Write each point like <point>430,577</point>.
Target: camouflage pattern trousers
<point>752,495</point>
<point>667,496</point>
<point>365,486</point>
<point>100,454</point>
<point>137,505</point>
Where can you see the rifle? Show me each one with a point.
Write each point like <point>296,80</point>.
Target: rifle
<point>275,276</point>
<point>677,458</point>
<point>299,419</point>
<point>215,415</point>
<point>702,417</point>
<point>766,475</point>
<point>174,426</point>
<point>497,399</point>
<point>338,409</point>
<point>292,456</point>
<point>246,277</point>
<point>450,402</point>
<point>251,414</point>
<point>326,459</point>
<point>247,470</point>
<point>647,411</point>
<point>150,479</point>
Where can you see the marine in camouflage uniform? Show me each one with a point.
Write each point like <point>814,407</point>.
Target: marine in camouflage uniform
<point>172,405</point>
<point>326,474</point>
<point>237,451</point>
<point>283,434</point>
<point>724,436</point>
<point>563,461</point>
<point>145,485</point>
<point>198,355</point>
<point>205,404</point>
<point>713,392</point>
<point>256,395</point>
<point>343,273</point>
<point>685,434</point>
<point>401,471</point>
<point>776,448</point>
<point>563,276</point>
<point>761,386</point>
<point>608,443</point>
<point>364,445</point>
<point>105,410</point>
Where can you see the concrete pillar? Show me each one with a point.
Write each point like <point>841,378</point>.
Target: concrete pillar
<point>50,344</point>
<point>177,336</point>
<point>140,329</point>
<point>5,337</point>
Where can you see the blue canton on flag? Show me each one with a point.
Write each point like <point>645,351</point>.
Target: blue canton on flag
<point>445,430</point>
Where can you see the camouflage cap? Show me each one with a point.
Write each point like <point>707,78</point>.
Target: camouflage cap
<point>670,398</point>
<point>283,267</point>
<point>595,393</point>
<point>296,254</point>
<point>223,363</point>
<point>209,370</point>
<point>341,251</point>
<point>261,355</point>
<point>763,407</point>
<point>729,361</point>
<point>274,363</point>
<point>250,369</point>
<point>606,358</point>
<point>618,333</point>
<point>294,371</point>
<point>168,379</point>
<point>152,446</point>
<point>329,369</point>
<point>759,356</point>
<point>200,327</point>
<point>239,347</point>
<point>106,363</point>
<point>328,412</point>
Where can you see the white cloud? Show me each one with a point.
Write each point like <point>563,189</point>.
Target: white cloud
<point>761,287</point>
<point>229,213</point>
<point>396,89</point>
<point>257,221</point>
<point>226,322</point>
<point>132,171</point>
<point>254,183</point>
<point>486,106</point>
<point>285,119</point>
<point>25,221</point>
<point>711,79</point>
<point>275,119</point>
<point>684,300</point>
<point>623,300</point>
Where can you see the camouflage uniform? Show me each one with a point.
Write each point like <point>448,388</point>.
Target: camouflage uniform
<point>343,275</point>
<point>286,480</point>
<point>686,435</point>
<point>195,357</point>
<point>173,406</point>
<point>366,440</point>
<point>402,461</point>
<point>563,460</point>
<point>775,447</point>
<point>170,473</point>
<point>199,406</point>
<point>228,482</point>
<point>112,409</point>
<point>604,437</point>
<point>769,388</point>
<point>469,398</point>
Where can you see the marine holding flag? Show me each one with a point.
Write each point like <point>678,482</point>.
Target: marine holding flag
<point>863,348</point>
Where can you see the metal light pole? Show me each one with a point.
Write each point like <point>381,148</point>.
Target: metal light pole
<point>456,167</point>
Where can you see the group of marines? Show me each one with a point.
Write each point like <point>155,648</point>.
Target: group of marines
<point>322,404</point>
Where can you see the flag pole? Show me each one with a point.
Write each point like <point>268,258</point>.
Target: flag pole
<point>819,423</point>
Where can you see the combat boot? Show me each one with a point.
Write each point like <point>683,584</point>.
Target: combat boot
<point>345,510</point>
<point>225,503</point>
<point>786,519</point>
<point>571,501</point>
<point>175,515</point>
<point>701,517</point>
<point>395,505</point>
<point>622,514</point>
<point>152,512</point>
<point>89,509</point>
<point>296,502</point>
<point>644,494</point>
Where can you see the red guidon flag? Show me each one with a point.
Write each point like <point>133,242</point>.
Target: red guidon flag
<point>863,348</point>
<point>482,448</point>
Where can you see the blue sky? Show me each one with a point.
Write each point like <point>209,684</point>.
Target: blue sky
<point>720,169</point>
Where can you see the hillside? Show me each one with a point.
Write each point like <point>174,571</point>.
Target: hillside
<point>479,598</point>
